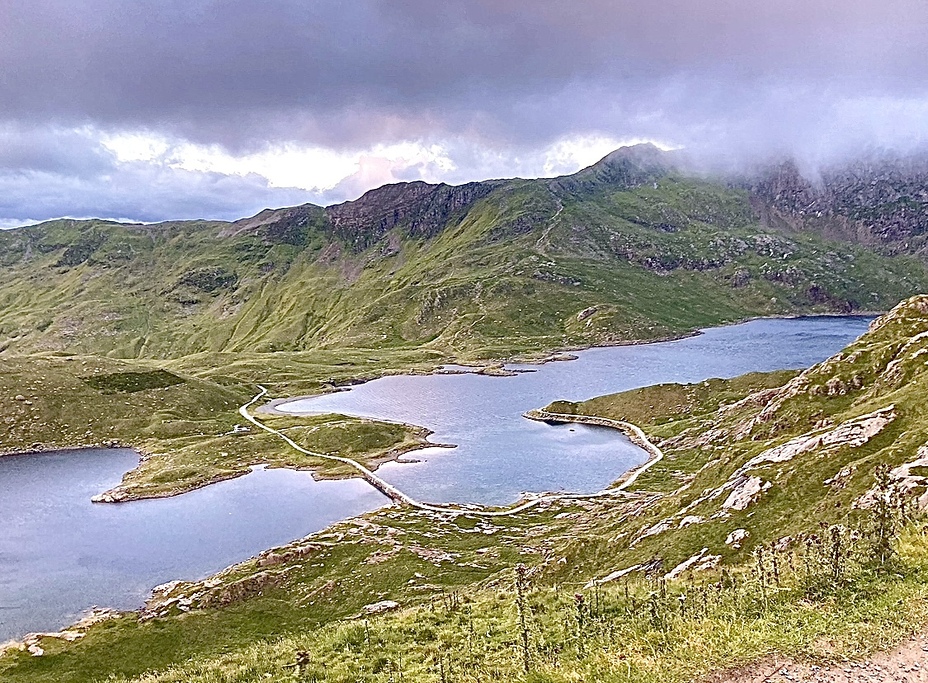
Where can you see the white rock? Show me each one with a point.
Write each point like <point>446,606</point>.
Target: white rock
<point>745,493</point>
<point>380,607</point>
<point>735,537</point>
<point>618,574</point>
<point>658,528</point>
<point>686,564</point>
<point>853,433</point>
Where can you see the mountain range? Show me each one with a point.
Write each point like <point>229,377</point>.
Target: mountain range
<point>635,247</point>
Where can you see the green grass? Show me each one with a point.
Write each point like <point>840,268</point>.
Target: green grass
<point>614,636</point>
<point>453,577</point>
<point>185,425</point>
<point>130,382</point>
<point>507,274</point>
<point>152,336</point>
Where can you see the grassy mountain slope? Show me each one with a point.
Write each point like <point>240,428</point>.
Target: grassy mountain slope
<point>816,437</point>
<point>806,443</point>
<point>628,249</point>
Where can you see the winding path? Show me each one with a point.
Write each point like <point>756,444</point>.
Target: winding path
<point>637,436</point>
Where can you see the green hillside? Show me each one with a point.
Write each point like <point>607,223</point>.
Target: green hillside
<point>152,336</point>
<point>783,517</point>
<point>628,249</point>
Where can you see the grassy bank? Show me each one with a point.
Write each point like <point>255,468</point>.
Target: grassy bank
<point>759,532</point>
<point>185,424</point>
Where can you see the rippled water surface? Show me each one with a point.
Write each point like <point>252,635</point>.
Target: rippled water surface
<point>60,554</point>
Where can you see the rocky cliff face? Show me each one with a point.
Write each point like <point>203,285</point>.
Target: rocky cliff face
<point>279,226</point>
<point>421,209</point>
<point>880,202</point>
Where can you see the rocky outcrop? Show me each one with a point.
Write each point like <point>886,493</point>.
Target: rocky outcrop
<point>745,491</point>
<point>290,225</point>
<point>881,201</point>
<point>905,483</point>
<point>380,607</point>
<point>32,642</point>
<point>735,538</point>
<point>701,561</point>
<point>420,209</point>
<point>851,434</point>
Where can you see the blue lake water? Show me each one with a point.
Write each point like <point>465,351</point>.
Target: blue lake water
<point>500,454</point>
<point>60,554</point>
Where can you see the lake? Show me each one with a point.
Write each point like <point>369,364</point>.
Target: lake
<point>500,454</point>
<point>60,554</point>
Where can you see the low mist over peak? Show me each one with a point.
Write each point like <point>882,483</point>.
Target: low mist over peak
<point>217,110</point>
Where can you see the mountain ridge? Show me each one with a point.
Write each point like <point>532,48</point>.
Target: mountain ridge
<point>485,269</point>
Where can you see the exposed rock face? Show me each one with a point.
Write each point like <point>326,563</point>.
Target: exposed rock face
<point>853,434</point>
<point>905,482</point>
<point>697,563</point>
<point>381,607</point>
<point>689,520</point>
<point>735,537</point>
<point>745,492</point>
<point>879,202</point>
<point>909,482</point>
<point>421,209</point>
<point>279,226</point>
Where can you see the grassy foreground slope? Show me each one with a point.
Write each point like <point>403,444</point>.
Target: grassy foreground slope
<point>773,523</point>
<point>628,249</point>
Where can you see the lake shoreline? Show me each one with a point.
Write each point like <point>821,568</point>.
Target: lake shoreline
<point>492,368</point>
<point>621,485</point>
<point>495,367</point>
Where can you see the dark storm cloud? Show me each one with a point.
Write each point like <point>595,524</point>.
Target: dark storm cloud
<point>741,78</point>
<point>353,73</point>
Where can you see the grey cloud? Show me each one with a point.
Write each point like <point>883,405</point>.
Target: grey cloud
<point>351,73</point>
<point>27,148</point>
<point>493,81</point>
<point>139,192</point>
<point>47,172</point>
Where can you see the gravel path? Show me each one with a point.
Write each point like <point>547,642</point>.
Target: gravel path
<point>907,663</point>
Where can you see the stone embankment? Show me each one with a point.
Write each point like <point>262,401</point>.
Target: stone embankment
<point>635,434</point>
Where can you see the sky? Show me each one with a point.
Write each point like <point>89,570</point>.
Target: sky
<point>150,110</point>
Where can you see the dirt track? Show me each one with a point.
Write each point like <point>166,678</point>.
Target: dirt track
<point>908,663</point>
